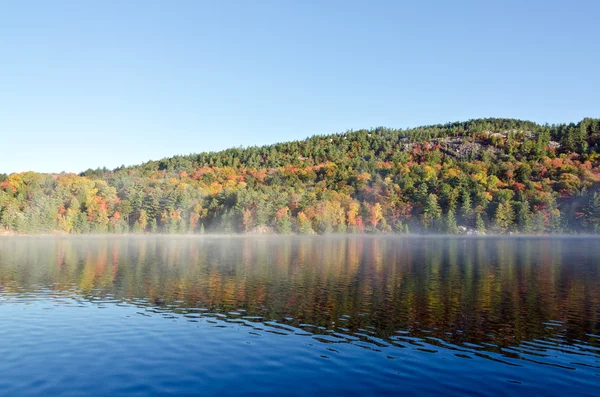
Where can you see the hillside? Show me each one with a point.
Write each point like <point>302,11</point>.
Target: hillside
<point>489,175</point>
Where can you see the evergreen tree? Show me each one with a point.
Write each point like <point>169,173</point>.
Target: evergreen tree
<point>181,226</point>
<point>81,223</point>
<point>422,192</point>
<point>479,224</point>
<point>153,225</point>
<point>504,216</point>
<point>555,218</point>
<point>591,212</point>
<point>466,208</point>
<point>538,223</point>
<point>524,217</point>
<point>432,213</point>
<point>451,227</point>
<point>284,223</point>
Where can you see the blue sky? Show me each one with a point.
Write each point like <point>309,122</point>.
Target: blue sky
<point>86,84</point>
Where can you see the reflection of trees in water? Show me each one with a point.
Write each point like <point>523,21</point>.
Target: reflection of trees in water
<point>458,290</point>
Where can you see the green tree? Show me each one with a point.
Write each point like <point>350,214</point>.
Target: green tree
<point>524,217</point>
<point>538,223</point>
<point>479,224</point>
<point>466,208</point>
<point>591,212</point>
<point>153,225</point>
<point>432,213</point>
<point>284,223</point>
<point>124,207</point>
<point>504,216</point>
<point>451,227</point>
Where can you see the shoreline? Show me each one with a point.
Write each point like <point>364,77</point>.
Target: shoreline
<point>5,234</point>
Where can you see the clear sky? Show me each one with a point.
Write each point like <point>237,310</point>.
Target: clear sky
<point>103,83</point>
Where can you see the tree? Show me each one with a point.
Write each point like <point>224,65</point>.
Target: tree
<point>466,208</point>
<point>479,224</point>
<point>153,225</point>
<point>375,215</point>
<point>142,221</point>
<point>304,224</point>
<point>379,180</point>
<point>284,223</point>
<point>555,218</point>
<point>124,207</point>
<point>524,216</point>
<point>81,223</point>
<point>422,192</point>
<point>451,227</point>
<point>432,213</point>
<point>591,212</point>
<point>504,216</point>
<point>538,223</point>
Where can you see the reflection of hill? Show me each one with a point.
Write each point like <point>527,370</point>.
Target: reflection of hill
<point>491,292</point>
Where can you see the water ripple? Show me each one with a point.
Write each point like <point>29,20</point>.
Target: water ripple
<point>430,318</point>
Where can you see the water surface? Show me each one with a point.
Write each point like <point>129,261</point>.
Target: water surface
<point>299,316</point>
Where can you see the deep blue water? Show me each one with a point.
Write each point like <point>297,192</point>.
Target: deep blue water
<point>299,316</point>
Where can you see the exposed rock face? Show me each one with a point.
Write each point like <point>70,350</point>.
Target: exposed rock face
<point>260,230</point>
<point>469,231</point>
<point>462,149</point>
<point>457,147</point>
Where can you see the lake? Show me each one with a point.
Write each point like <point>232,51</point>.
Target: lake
<point>299,316</point>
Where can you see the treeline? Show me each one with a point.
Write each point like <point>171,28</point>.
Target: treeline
<point>488,175</point>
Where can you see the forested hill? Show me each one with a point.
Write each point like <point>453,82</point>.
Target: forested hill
<point>489,175</point>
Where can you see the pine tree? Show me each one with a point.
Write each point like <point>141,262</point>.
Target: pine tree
<point>581,136</point>
<point>284,223</point>
<point>504,216</point>
<point>451,227</point>
<point>171,225</point>
<point>479,224</point>
<point>432,213</point>
<point>538,223</point>
<point>591,212</point>
<point>422,192</point>
<point>137,228</point>
<point>555,218</point>
<point>181,226</point>
<point>542,141</point>
<point>153,225</point>
<point>466,208</point>
<point>524,217</point>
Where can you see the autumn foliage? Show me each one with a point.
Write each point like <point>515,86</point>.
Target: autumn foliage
<point>492,175</point>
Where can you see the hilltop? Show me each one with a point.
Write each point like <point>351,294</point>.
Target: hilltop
<point>488,175</point>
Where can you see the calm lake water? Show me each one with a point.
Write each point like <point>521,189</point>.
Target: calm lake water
<point>299,316</point>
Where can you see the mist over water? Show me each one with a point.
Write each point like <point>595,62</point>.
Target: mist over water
<point>299,315</point>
